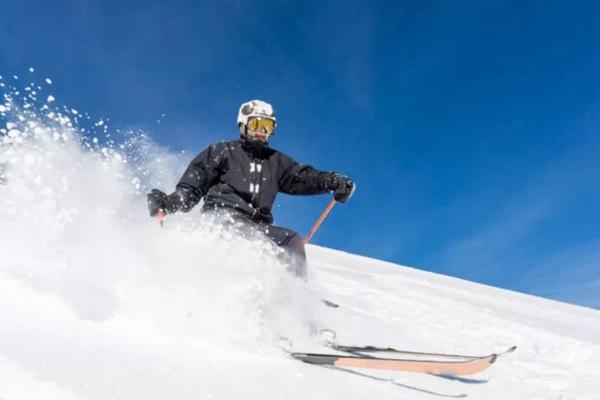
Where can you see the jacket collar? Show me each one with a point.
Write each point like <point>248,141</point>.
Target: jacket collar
<point>254,147</point>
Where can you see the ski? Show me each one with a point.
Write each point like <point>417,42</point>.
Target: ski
<point>374,349</point>
<point>463,367</point>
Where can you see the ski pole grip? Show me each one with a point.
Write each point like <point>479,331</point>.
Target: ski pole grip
<point>319,221</point>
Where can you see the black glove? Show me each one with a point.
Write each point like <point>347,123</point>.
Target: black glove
<point>157,201</point>
<point>341,186</point>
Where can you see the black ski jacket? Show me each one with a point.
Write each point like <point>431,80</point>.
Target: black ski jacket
<point>245,176</point>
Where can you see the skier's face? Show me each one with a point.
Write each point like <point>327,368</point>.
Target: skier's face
<point>260,129</point>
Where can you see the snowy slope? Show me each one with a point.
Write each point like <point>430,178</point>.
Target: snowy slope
<point>49,350</point>
<point>558,343</point>
<point>98,302</point>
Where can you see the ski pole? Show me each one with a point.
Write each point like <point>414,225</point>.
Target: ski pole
<point>160,216</point>
<point>319,221</point>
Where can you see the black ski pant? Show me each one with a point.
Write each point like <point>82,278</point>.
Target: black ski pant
<point>294,254</point>
<point>292,245</point>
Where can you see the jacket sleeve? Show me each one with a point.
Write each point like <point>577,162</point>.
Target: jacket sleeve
<point>199,176</point>
<point>296,178</point>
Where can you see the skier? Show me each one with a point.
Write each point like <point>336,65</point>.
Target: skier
<point>239,180</point>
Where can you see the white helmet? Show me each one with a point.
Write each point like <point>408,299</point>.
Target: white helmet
<point>254,108</point>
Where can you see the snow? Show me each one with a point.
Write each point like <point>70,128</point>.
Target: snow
<point>98,302</point>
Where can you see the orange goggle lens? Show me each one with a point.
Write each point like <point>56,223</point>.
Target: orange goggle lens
<point>257,124</point>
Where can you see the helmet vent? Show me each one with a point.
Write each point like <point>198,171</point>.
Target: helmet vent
<point>247,109</point>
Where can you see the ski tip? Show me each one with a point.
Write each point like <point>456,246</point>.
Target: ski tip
<point>494,357</point>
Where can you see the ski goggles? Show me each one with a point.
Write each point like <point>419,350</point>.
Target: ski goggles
<point>257,124</point>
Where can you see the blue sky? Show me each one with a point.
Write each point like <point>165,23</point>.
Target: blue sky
<point>471,128</point>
